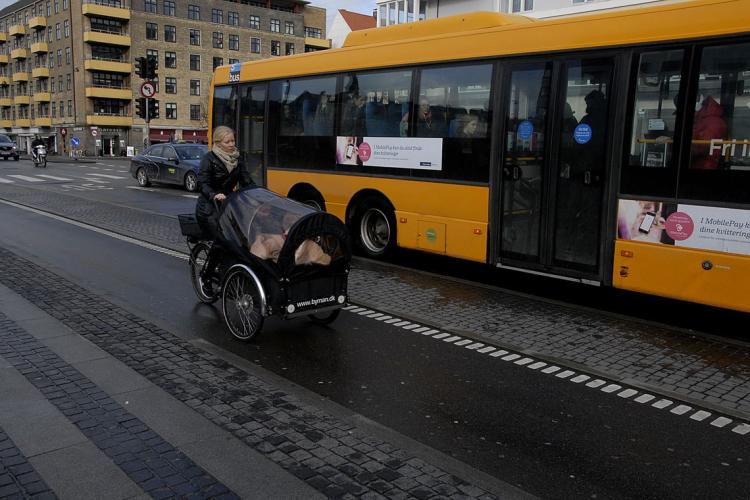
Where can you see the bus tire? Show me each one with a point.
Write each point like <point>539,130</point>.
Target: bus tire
<point>374,228</point>
<point>308,196</point>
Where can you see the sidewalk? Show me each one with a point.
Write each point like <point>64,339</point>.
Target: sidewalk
<point>98,403</point>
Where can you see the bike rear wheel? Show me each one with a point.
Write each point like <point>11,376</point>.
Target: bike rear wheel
<point>207,293</point>
<point>242,305</point>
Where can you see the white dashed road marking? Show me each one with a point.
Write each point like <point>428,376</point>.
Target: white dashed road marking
<point>54,178</point>
<point>5,181</point>
<point>26,178</point>
<point>107,176</point>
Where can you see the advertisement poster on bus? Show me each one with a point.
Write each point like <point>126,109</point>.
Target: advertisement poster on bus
<point>417,153</point>
<point>690,226</point>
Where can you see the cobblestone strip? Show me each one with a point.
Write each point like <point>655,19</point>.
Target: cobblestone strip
<point>18,479</point>
<point>326,452</point>
<point>155,465</point>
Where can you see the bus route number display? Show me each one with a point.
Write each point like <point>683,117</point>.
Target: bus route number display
<point>234,72</point>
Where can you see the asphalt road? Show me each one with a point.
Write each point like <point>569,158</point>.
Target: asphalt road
<point>545,434</point>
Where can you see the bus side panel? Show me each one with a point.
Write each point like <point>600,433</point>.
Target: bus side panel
<point>678,273</point>
<point>459,210</point>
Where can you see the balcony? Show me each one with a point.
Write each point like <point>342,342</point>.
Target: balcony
<point>19,53</point>
<point>38,23</point>
<point>41,72</point>
<point>6,123</point>
<point>4,58</point>
<point>42,96</point>
<point>107,37</point>
<point>3,37</point>
<point>6,102</point>
<point>42,121</point>
<point>39,47</point>
<point>22,99</point>
<point>109,120</point>
<point>17,30</point>
<point>21,77</point>
<point>104,8</point>
<point>125,93</point>
<point>111,65</point>
<point>4,81</point>
<point>22,122</point>
<point>319,43</point>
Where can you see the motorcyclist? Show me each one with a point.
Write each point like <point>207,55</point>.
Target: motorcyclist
<point>38,141</point>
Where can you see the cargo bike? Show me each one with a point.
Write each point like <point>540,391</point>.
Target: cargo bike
<point>278,258</point>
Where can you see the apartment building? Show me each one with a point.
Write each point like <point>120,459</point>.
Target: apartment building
<point>67,66</point>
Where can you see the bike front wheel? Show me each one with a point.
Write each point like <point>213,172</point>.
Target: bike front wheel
<point>208,293</point>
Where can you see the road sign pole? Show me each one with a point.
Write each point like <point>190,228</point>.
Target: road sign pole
<point>147,141</point>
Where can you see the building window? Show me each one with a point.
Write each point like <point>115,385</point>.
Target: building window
<point>233,19</point>
<point>49,33</point>
<point>170,60</point>
<point>195,37</point>
<point>275,48</point>
<point>233,61</point>
<point>254,22</point>
<point>54,110</point>
<point>170,33</point>
<point>289,28</point>
<point>51,59</point>
<point>234,42</point>
<point>66,28</point>
<point>57,31</point>
<point>218,40</point>
<point>152,31</point>
<point>171,111</point>
<point>313,32</point>
<point>59,58</point>
<point>47,9</point>
<point>195,62</point>
<point>150,6</point>
<point>59,83</point>
<point>169,8</point>
<point>65,4</point>
<point>62,109</point>
<point>194,12</point>
<point>170,85</point>
<point>195,111</point>
<point>217,16</point>
<point>218,61</point>
<point>255,45</point>
<point>195,87</point>
<point>275,26</point>
<point>289,49</point>
<point>57,6</point>
<point>68,81</point>
<point>67,55</point>
<point>70,107</point>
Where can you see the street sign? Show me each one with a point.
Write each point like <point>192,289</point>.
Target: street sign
<point>74,141</point>
<point>148,89</point>
<point>94,132</point>
<point>63,131</point>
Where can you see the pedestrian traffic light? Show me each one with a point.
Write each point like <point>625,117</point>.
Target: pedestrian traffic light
<point>152,64</point>
<point>140,66</point>
<point>140,107</point>
<point>153,109</point>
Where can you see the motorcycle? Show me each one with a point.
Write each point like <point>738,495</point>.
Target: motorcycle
<point>40,156</point>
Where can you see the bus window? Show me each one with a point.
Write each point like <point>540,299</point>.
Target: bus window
<point>301,115</point>
<point>718,166</point>
<point>454,104</point>
<point>250,131</point>
<point>225,107</point>
<point>375,104</point>
<point>650,168</point>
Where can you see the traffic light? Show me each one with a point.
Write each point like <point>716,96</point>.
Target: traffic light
<point>153,109</point>
<point>140,66</point>
<point>152,64</point>
<point>140,107</point>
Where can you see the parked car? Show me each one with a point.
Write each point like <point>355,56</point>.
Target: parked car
<point>8,148</point>
<point>169,164</point>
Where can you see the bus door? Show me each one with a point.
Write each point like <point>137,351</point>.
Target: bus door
<point>553,166</point>
<point>251,130</point>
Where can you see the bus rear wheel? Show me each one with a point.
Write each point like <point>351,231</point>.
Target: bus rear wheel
<point>375,229</point>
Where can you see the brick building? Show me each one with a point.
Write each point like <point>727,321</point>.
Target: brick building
<point>66,66</point>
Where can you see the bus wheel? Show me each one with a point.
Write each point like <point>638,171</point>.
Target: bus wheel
<point>376,229</point>
<point>309,197</point>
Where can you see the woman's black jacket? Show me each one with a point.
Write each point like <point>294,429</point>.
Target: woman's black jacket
<point>214,178</point>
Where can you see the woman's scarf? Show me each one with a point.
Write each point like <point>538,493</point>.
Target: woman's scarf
<point>228,159</point>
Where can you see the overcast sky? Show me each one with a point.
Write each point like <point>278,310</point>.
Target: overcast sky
<point>362,6</point>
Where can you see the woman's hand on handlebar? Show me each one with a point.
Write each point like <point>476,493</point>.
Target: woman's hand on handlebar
<point>220,197</point>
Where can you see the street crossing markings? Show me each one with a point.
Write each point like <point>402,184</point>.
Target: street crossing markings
<point>645,398</point>
<point>551,369</point>
<point>681,409</point>
<point>596,383</point>
<point>742,429</point>
<point>401,323</point>
<point>510,357</point>
<point>411,326</point>
<point>26,178</point>
<point>430,332</point>
<point>579,379</point>
<point>485,350</point>
<point>54,178</point>
<point>475,345</point>
<point>661,404</point>
<point>462,343</point>
<point>498,353</point>
<point>366,311</point>
<point>97,181</point>
<point>721,422</point>
<point>442,336</point>
<point>383,318</point>
<point>700,415</point>
<point>523,361</point>
<point>421,329</point>
<point>450,338</point>
<point>565,374</point>
<point>393,320</point>
<point>537,365</point>
<point>107,176</point>
<point>5,181</point>
<point>627,393</point>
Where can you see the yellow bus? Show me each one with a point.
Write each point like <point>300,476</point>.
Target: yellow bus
<point>608,148</point>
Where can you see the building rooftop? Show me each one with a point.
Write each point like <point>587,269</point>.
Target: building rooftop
<point>357,21</point>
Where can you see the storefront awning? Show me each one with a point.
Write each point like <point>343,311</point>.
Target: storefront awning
<point>161,134</point>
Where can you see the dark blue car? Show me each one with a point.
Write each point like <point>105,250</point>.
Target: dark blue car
<point>169,164</point>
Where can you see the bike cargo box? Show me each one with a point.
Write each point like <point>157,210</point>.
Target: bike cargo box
<point>189,226</point>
